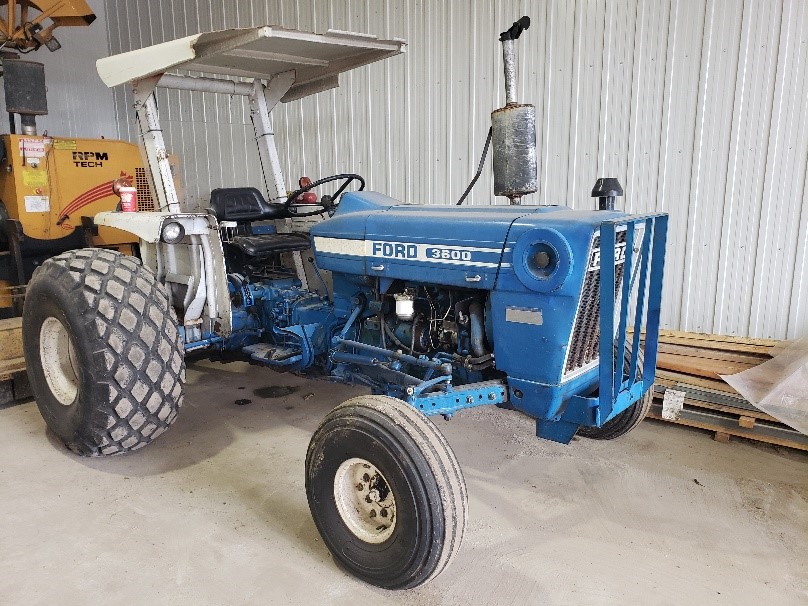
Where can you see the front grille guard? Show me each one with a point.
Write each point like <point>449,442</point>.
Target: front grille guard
<point>639,296</point>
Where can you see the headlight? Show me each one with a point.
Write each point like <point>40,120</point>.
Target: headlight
<point>172,233</point>
<point>542,259</point>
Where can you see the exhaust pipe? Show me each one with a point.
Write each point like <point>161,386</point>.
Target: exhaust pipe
<point>514,130</point>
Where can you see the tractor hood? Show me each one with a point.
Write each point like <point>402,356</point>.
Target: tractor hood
<point>463,246</point>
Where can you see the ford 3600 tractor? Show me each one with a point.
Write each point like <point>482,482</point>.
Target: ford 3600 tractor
<point>551,311</point>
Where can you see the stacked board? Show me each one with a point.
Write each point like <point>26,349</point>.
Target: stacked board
<point>13,378</point>
<point>692,362</point>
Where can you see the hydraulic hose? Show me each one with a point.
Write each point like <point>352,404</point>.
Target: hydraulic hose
<point>479,168</point>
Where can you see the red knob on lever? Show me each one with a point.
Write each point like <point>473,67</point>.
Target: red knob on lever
<point>308,197</point>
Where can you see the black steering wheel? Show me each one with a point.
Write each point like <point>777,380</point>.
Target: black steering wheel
<point>327,203</point>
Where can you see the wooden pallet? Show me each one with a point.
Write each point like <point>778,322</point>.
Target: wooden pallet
<point>726,415</point>
<point>693,362</point>
<point>725,424</point>
<point>13,378</point>
<point>714,400</point>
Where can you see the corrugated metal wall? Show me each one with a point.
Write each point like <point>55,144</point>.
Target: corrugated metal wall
<point>79,105</point>
<point>699,107</point>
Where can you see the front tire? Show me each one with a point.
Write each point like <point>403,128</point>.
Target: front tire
<point>628,419</point>
<point>623,422</point>
<point>386,492</point>
<point>104,356</point>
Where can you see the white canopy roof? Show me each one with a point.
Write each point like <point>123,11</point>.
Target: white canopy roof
<point>258,52</point>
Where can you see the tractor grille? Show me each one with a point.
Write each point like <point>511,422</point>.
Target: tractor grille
<point>144,197</point>
<point>584,347</point>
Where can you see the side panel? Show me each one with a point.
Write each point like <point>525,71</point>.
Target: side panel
<point>54,182</point>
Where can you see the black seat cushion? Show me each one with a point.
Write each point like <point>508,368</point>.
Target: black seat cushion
<point>270,244</point>
<point>244,204</point>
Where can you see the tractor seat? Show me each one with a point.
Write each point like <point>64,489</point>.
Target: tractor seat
<point>243,205</point>
<point>270,244</point>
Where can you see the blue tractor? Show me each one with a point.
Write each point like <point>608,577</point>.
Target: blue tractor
<point>547,310</point>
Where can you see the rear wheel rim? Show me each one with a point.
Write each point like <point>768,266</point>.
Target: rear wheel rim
<point>365,501</point>
<point>57,353</point>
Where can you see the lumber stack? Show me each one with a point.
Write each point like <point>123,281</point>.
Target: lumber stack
<point>692,362</point>
<point>13,378</point>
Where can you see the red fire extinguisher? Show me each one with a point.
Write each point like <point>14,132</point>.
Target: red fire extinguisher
<point>128,194</point>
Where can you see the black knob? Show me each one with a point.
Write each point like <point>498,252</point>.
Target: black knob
<point>606,190</point>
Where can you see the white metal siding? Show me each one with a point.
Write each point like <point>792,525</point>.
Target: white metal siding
<point>699,107</point>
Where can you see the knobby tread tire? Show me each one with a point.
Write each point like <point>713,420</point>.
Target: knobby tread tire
<point>442,465</point>
<point>129,351</point>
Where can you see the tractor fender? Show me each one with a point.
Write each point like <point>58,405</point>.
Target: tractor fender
<point>202,274</point>
<point>149,225</point>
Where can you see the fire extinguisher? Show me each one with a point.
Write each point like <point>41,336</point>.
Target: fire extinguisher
<point>123,188</point>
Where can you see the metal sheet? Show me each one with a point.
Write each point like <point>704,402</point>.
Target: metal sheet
<point>699,107</point>
<point>254,52</point>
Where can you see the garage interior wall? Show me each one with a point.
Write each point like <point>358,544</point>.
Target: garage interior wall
<point>699,107</point>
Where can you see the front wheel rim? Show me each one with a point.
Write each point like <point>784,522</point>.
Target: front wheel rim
<point>365,501</point>
<point>57,354</point>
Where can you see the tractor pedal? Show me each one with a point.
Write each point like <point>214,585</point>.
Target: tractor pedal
<point>273,355</point>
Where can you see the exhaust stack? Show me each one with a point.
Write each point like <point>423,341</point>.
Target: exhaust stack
<point>514,130</point>
<point>24,84</point>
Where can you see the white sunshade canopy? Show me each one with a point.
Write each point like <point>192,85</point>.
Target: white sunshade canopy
<point>257,52</point>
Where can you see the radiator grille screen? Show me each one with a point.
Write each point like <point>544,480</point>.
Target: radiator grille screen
<point>585,342</point>
<point>144,198</point>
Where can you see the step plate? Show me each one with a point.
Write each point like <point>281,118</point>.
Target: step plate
<point>273,355</point>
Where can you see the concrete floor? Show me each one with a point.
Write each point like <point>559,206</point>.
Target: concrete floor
<point>215,512</point>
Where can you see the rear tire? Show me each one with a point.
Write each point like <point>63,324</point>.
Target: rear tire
<point>386,492</point>
<point>104,356</point>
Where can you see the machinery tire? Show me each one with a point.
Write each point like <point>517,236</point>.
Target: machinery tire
<point>621,424</point>
<point>625,421</point>
<point>381,444</point>
<point>104,356</point>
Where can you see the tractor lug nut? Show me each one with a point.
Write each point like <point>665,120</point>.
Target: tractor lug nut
<point>373,513</point>
<point>360,487</point>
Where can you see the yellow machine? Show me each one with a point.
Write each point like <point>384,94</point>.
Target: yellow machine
<point>50,183</point>
<point>30,23</point>
<point>51,187</point>
<point>47,185</point>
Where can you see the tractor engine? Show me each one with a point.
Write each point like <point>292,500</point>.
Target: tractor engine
<point>424,320</point>
<point>428,320</point>
<point>281,324</point>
